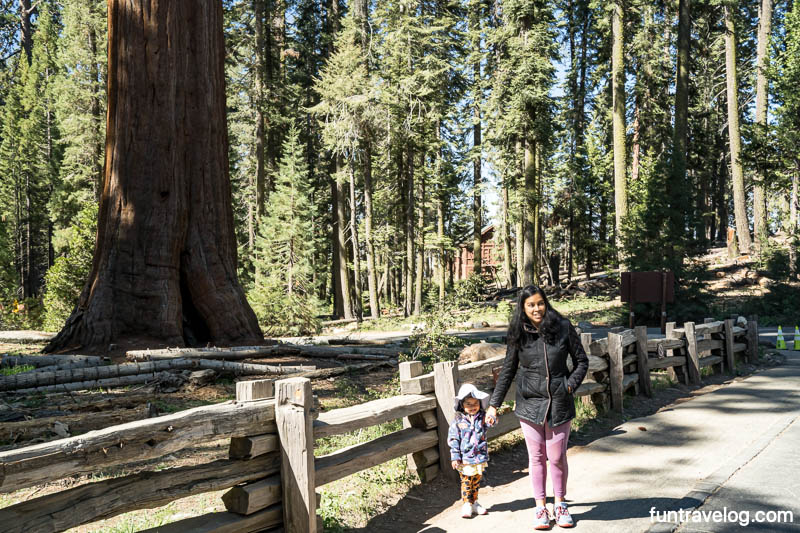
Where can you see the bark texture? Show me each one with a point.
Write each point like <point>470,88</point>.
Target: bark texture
<point>679,184</point>
<point>737,174</point>
<point>165,259</point>
<point>762,96</point>
<point>618,88</point>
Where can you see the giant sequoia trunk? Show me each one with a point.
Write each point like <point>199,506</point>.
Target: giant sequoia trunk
<point>164,267</point>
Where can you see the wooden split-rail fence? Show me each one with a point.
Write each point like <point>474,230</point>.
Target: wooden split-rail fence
<point>271,470</point>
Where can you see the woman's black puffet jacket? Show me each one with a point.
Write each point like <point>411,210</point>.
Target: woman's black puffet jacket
<point>542,382</point>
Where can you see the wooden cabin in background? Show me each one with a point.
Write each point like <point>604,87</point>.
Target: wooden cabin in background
<point>491,259</point>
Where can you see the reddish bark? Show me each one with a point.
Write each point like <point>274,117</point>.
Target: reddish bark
<point>164,266</point>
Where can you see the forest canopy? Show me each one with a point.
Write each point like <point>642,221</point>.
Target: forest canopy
<point>374,145</point>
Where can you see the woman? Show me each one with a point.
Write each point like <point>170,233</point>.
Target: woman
<point>539,340</point>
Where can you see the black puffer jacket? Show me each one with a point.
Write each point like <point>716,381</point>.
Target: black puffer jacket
<point>542,383</point>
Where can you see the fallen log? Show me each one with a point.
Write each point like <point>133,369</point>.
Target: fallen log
<point>36,380</point>
<point>251,352</point>
<point>71,424</point>
<point>362,357</point>
<point>336,371</point>
<point>61,366</point>
<point>49,360</point>
<point>123,381</point>
<point>135,441</point>
<point>367,350</point>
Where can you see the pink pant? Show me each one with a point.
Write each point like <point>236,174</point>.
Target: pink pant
<point>547,444</point>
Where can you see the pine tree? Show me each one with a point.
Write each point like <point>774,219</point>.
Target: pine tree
<point>734,134</point>
<point>283,296</point>
<point>81,108</point>
<point>10,195</point>
<point>30,156</point>
<point>520,111</point>
<point>786,74</point>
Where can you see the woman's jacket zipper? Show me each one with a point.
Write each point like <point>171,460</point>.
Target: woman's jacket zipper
<point>547,381</point>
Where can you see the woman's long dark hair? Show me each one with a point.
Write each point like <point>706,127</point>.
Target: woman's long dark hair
<point>550,327</point>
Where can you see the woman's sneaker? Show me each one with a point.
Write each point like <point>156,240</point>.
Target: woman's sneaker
<point>563,518</point>
<point>542,518</point>
<point>478,509</point>
<point>466,510</point>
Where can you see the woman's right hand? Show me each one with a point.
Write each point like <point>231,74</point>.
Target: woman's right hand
<point>491,415</point>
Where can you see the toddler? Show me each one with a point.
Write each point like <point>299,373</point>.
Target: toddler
<point>469,452</point>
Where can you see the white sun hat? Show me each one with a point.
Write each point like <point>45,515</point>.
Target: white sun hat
<point>469,389</point>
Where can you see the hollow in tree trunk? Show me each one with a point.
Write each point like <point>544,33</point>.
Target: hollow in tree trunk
<point>164,266</point>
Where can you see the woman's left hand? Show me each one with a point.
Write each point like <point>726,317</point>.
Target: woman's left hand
<point>491,415</point>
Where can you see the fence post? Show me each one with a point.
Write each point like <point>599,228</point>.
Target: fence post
<point>615,370</point>
<point>729,355</point>
<point>719,367</point>
<point>673,376</point>
<point>255,389</point>
<point>426,462</point>
<point>693,359</point>
<point>445,379</point>
<point>752,340</point>
<point>642,360</point>
<point>251,497</point>
<point>293,400</point>
<point>586,342</point>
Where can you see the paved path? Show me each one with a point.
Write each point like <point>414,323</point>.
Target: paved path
<point>734,448</point>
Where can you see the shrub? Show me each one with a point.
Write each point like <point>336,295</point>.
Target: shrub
<point>65,279</point>
<point>25,314</point>
<point>432,344</point>
<point>469,291</point>
<point>279,313</point>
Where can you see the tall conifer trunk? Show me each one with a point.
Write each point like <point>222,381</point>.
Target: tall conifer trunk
<point>737,174</point>
<point>678,185</point>
<point>372,271</point>
<point>165,259</point>
<point>519,226</point>
<point>440,245</point>
<point>529,249</point>
<point>420,247</point>
<point>762,101</point>
<point>409,281</point>
<point>26,30</point>
<point>341,240</point>
<point>618,88</point>
<point>506,232</point>
<point>477,223</point>
<point>355,245</point>
<point>260,25</point>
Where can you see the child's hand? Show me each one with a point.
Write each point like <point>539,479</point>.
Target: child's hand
<point>456,464</point>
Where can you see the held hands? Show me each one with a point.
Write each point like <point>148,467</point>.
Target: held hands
<point>456,465</point>
<point>491,416</point>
